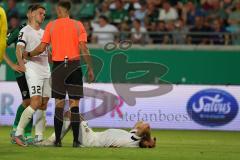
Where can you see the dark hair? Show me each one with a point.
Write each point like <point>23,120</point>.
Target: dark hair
<point>30,7</point>
<point>138,21</point>
<point>144,139</point>
<point>37,6</point>
<point>65,4</point>
<point>103,17</point>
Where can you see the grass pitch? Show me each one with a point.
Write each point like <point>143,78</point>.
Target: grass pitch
<point>171,145</point>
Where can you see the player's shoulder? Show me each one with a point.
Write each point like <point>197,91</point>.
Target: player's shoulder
<point>22,26</point>
<point>26,29</point>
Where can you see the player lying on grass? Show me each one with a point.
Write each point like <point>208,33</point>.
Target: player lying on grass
<point>139,136</point>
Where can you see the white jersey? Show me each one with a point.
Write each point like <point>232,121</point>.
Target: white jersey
<point>30,39</point>
<point>108,138</point>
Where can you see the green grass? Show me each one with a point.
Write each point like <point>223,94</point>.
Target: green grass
<point>171,145</point>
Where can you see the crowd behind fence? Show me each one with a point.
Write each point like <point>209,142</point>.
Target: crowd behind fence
<point>146,21</point>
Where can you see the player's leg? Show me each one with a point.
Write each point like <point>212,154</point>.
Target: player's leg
<point>41,112</point>
<point>87,136</point>
<point>58,120</point>
<point>75,121</point>
<point>40,116</point>
<point>22,84</point>
<point>26,118</point>
<point>59,97</point>
<point>35,84</point>
<point>75,93</point>
<point>51,140</point>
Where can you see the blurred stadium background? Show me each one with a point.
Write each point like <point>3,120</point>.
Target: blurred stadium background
<point>196,40</point>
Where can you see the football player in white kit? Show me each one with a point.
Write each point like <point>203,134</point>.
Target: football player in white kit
<point>37,72</point>
<point>139,136</point>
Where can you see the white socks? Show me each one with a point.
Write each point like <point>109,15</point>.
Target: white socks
<point>25,118</point>
<point>40,123</point>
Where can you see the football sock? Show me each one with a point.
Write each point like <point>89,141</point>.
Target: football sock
<point>40,122</point>
<point>58,123</point>
<point>24,120</point>
<point>18,116</point>
<point>75,122</point>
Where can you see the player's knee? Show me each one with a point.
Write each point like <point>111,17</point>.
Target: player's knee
<point>36,102</point>
<point>73,103</point>
<point>44,105</point>
<point>60,103</point>
<point>26,103</point>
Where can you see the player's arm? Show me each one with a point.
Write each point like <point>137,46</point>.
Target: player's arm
<point>13,36</point>
<point>14,67</point>
<point>40,48</point>
<point>87,58</point>
<point>85,52</point>
<point>49,55</point>
<point>19,52</point>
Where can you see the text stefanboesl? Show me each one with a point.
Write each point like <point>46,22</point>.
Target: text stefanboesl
<point>212,107</point>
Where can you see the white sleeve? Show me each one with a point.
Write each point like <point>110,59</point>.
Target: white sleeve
<point>115,29</point>
<point>174,14</point>
<point>161,15</point>
<point>22,38</point>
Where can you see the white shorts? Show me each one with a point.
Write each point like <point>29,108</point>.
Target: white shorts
<point>38,85</point>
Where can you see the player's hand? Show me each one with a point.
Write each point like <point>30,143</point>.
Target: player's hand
<point>90,75</point>
<point>18,68</point>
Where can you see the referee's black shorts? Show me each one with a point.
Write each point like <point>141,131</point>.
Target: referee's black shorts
<point>67,78</point>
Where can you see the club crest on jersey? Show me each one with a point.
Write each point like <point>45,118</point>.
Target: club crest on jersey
<point>24,93</point>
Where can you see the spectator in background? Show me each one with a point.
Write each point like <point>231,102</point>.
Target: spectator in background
<point>141,13</point>
<point>139,33</point>
<point>170,26</point>
<point>227,5</point>
<point>220,37</point>
<point>152,14</point>
<point>168,13</point>
<point>13,22</point>
<point>216,12</point>
<point>157,3</point>
<point>234,23</point>
<point>190,12</point>
<point>103,32</point>
<point>198,33</point>
<point>158,35</point>
<point>180,32</point>
<point>206,5</point>
<point>118,15</point>
<point>133,5</point>
<point>234,17</point>
<point>125,29</point>
<point>89,30</point>
<point>12,10</point>
<point>103,10</point>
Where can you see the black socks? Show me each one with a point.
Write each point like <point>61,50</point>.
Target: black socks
<point>58,123</point>
<point>75,122</point>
